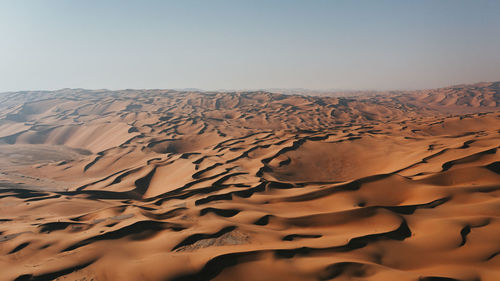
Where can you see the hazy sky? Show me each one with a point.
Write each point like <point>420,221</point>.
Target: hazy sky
<point>233,44</point>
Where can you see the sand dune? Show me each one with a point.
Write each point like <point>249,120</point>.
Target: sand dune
<point>167,185</point>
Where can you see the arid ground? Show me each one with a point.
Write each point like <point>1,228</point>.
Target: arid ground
<point>168,185</point>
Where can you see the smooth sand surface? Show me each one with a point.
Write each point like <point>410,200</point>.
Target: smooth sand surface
<point>165,185</point>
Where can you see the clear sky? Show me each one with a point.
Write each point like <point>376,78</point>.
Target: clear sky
<point>215,44</point>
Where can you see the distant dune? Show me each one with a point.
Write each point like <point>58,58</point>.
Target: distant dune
<point>190,185</point>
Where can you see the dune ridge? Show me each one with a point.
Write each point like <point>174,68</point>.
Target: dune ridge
<point>169,185</point>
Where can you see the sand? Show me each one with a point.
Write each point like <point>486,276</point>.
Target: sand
<point>168,185</point>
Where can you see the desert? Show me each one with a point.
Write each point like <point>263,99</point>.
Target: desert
<point>250,185</point>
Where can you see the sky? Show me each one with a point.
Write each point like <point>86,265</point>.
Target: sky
<point>253,44</point>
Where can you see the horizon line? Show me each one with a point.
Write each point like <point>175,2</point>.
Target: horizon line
<point>296,89</point>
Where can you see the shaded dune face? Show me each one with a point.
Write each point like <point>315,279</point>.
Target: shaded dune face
<point>164,185</point>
